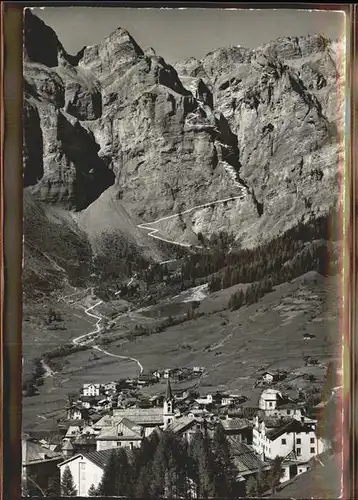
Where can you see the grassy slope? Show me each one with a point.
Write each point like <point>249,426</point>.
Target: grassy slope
<point>232,346</point>
<point>108,214</point>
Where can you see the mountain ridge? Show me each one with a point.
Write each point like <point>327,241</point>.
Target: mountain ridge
<point>256,127</point>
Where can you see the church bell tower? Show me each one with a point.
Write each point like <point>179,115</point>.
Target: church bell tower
<point>168,406</point>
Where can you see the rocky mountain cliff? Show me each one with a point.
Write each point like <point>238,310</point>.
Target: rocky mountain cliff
<point>116,130</point>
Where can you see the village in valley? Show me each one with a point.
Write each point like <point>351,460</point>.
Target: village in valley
<point>279,438</point>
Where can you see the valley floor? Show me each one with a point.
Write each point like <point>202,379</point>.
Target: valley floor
<point>233,346</point>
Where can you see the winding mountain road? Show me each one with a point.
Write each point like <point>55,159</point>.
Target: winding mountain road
<point>87,337</point>
<point>80,340</point>
<point>152,231</point>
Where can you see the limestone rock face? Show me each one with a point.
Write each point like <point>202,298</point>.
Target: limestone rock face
<point>282,104</point>
<point>255,128</point>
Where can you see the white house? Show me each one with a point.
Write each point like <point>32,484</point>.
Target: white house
<point>268,400</point>
<point>268,377</point>
<point>91,389</point>
<point>110,387</point>
<point>295,438</point>
<point>75,412</point>
<point>86,469</point>
<point>207,400</point>
<point>272,403</point>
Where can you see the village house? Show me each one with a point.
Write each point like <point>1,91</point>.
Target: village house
<point>185,427</point>
<point>77,412</point>
<point>87,469</point>
<point>148,418</point>
<point>109,387</point>
<point>272,402</point>
<point>91,389</point>
<point>72,432</point>
<point>268,377</point>
<point>122,434</point>
<point>207,400</point>
<point>39,464</point>
<point>239,429</point>
<point>294,439</point>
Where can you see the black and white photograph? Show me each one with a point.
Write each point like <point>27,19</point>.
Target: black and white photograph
<point>184,184</point>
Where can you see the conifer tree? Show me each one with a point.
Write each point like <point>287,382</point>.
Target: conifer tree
<point>201,460</point>
<point>92,492</point>
<point>224,466</point>
<point>68,488</point>
<point>109,484</point>
<point>275,474</point>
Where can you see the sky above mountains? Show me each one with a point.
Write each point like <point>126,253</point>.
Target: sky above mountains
<point>180,33</point>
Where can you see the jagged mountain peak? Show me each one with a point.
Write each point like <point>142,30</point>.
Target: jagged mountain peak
<point>255,127</point>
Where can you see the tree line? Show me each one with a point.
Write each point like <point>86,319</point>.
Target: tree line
<point>167,465</point>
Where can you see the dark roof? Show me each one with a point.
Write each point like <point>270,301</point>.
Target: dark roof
<point>101,458</point>
<point>168,392</point>
<point>231,424</point>
<point>83,440</point>
<point>290,426</point>
<point>323,480</point>
<point>33,452</point>
<point>244,457</point>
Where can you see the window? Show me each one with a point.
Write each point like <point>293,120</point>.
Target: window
<point>298,451</point>
<point>288,412</point>
<point>283,441</point>
<point>312,450</point>
<point>298,440</point>
<point>118,443</point>
<point>270,404</point>
<point>312,440</point>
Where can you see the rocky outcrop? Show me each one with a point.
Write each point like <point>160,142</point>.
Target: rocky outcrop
<point>32,144</point>
<point>256,128</point>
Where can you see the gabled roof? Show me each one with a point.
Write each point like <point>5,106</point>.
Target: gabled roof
<point>67,445</point>
<point>106,421</point>
<point>99,458</point>
<point>121,431</point>
<point>182,424</point>
<point>33,452</point>
<point>142,416</point>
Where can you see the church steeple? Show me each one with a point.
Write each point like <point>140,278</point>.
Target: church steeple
<point>168,406</point>
<point>168,392</point>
